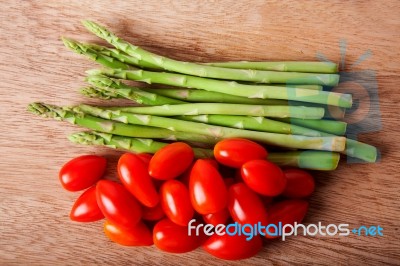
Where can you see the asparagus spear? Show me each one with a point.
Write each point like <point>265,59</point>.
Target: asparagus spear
<point>290,141</point>
<point>315,160</point>
<point>230,87</point>
<point>112,127</point>
<point>328,126</point>
<point>106,88</point>
<point>311,67</point>
<point>210,71</point>
<point>136,145</point>
<point>354,148</point>
<point>224,108</point>
<point>137,95</point>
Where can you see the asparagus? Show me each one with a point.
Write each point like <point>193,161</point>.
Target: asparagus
<point>94,92</point>
<point>210,71</point>
<point>230,87</point>
<point>354,148</point>
<point>224,108</point>
<point>312,67</point>
<point>315,160</point>
<point>136,145</point>
<point>137,95</point>
<point>289,141</point>
<point>329,126</point>
<point>112,127</point>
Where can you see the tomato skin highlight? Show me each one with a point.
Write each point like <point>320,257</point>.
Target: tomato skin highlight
<point>235,152</point>
<point>85,208</point>
<point>175,202</point>
<point>118,205</point>
<point>207,189</point>
<point>82,172</point>
<point>133,173</point>
<point>300,184</point>
<point>171,161</point>
<point>264,177</point>
<point>138,235</point>
<point>153,214</point>
<point>245,206</point>
<point>174,238</point>
<point>287,212</point>
<point>234,247</point>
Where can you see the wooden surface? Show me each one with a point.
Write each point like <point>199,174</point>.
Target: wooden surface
<point>34,224</point>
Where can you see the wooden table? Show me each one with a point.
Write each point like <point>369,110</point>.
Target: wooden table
<point>34,223</point>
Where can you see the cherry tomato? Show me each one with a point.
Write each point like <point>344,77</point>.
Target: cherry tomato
<point>171,161</point>
<point>213,162</point>
<point>170,237</point>
<point>220,217</point>
<point>207,188</point>
<point>138,235</point>
<point>264,177</point>
<point>245,206</point>
<point>235,152</point>
<point>234,247</point>
<point>300,184</point>
<point>229,182</point>
<point>146,157</point>
<point>175,202</point>
<point>153,214</point>
<point>85,208</point>
<point>82,172</point>
<point>287,212</point>
<point>184,178</point>
<point>132,172</point>
<point>118,205</point>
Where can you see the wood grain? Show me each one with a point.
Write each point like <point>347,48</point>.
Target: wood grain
<point>34,224</point>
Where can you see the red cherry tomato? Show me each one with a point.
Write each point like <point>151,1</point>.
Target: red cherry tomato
<point>234,247</point>
<point>245,206</point>
<point>146,157</point>
<point>184,178</point>
<point>171,161</point>
<point>153,214</point>
<point>132,172</point>
<point>174,238</point>
<point>217,218</point>
<point>118,205</point>
<point>264,177</point>
<point>82,172</point>
<point>235,152</point>
<point>287,212</point>
<point>138,235</point>
<point>229,182</point>
<point>300,184</point>
<point>213,162</point>
<point>207,188</point>
<point>85,208</point>
<point>175,202</point>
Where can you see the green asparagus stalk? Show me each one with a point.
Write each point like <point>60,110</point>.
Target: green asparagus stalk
<point>289,141</point>
<point>311,67</point>
<point>230,87</point>
<point>210,71</point>
<point>315,160</point>
<point>94,92</point>
<point>329,126</point>
<point>113,127</point>
<point>224,108</point>
<point>354,148</point>
<point>136,145</point>
<point>137,95</point>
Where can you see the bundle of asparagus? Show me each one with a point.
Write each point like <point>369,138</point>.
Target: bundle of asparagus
<point>277,103</point>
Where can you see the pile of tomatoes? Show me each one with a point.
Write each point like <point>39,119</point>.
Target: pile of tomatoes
<point>159,195</point>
